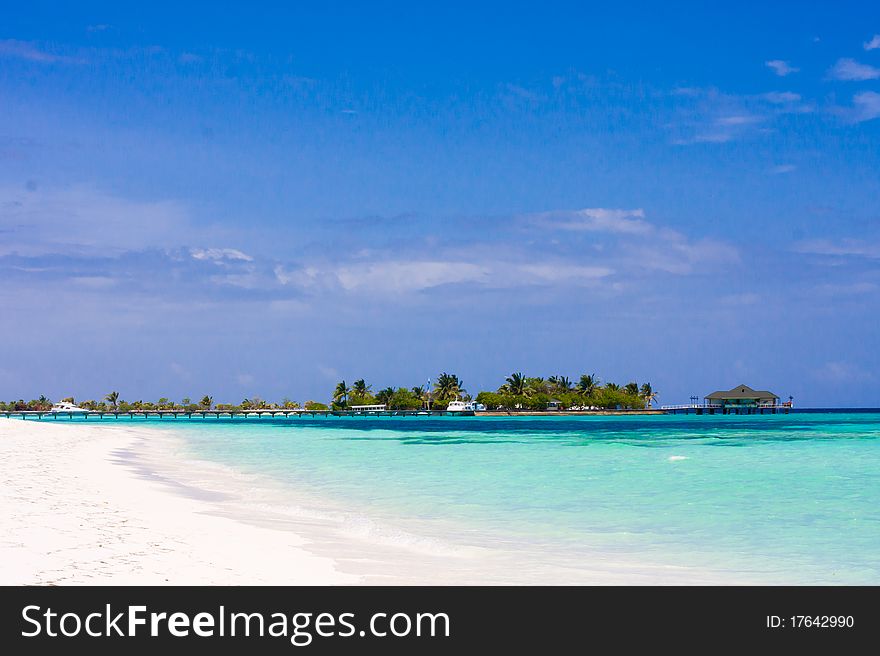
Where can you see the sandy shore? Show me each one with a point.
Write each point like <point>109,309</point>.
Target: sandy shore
<point>72,513</point>
<point>124,505</point>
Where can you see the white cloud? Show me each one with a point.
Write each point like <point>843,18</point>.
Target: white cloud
<point>781,97</point>
<point>671,252</point>
<point>405,276</point>
<point>220,254</point>
<point>780,67</point>
<point>561,250</point>
<point>740,119</point>
<point>841,248</point>
<point>873,44</point>
<point>597,219</point>
<point>29,52</point>
<point>866,106</point>
<point>550,272</point>
<point>709,116</point>
<point>383,276</point>
<point>782,168</point>
<point>705,137</point>
<point>308,276</point>
<point>851,70</point>
<point>58,220</point>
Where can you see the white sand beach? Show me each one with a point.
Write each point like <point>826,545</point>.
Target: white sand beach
<point>71,513</point>
<point>118,505</point>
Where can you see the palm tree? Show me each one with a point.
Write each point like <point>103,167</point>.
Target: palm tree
<point>113,399</point>
<point>515,384</point>
<point>448,387</point>
<point>207,402</point>
<point>419,392</point>
<point>632,389</point>
<point>340,394</point>
<point>360,388</point>
<point>588,384</point>
<point>648,394</point>
<point>612,387</point>
<point>535,385</point>
<point>563,383</point>
<point>384,396</point>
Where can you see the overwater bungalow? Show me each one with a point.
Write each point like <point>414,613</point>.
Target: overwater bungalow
<point>742,396</point>
<point>742,399</point>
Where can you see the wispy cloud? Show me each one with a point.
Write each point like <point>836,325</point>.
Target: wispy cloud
<point>638,245</point>
<point>402,276</point>
<point>850,70</point>
<point>738,119</point>
<point>220,255</point>
<point>102,243</point>
<point>781,97</point>
<point>843,373</point>
<point>866,106</point>
<point>873,44</point>
<point>839,248</point>
<point>81,217</point>
<point>848,289</point>
<point>710,116</point>
<point>30,52</point>
<point>596,219</point>
<point>566,250</point>
<point>781,67</point>
<point>782,168</point>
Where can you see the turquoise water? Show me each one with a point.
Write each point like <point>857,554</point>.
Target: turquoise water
<point>776,498</point>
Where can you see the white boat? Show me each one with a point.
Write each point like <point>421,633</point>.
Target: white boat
<point>64,406</point>
<point>464,406</point>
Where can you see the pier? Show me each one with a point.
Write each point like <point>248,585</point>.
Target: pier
<point>227,414</point>
<point>719,409</point>
<point>741,400</point>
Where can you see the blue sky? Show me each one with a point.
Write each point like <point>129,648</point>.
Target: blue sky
<point>261,200</point>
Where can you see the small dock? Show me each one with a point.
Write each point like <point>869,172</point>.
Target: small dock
<point>719,409</point>
<point>227,414</point>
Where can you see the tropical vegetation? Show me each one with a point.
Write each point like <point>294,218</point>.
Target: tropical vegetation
<point>517,392</point>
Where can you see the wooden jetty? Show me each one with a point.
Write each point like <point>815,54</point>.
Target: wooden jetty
<point>719,409</point>
<point>226,414</point>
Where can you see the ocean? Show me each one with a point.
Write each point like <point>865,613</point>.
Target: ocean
<point>742,499</point>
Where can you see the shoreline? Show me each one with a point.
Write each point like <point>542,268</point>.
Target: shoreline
<point>74,511</point>
<point>122,505</point>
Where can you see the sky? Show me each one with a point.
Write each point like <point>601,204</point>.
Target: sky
<point>259,199</point>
